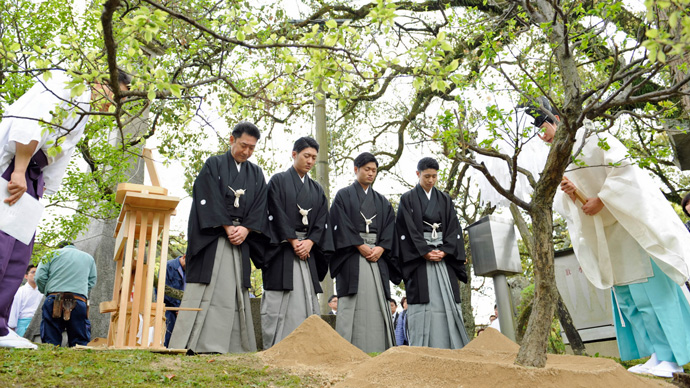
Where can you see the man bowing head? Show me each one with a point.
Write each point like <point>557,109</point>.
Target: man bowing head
<point>431,254</point>
<point>295,262</point>
<point>363,226</point>
<point>226,227</point>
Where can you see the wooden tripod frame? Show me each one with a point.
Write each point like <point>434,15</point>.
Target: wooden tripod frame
<point>144,221</point>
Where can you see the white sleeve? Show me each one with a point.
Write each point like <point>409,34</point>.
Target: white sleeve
<point>21,125</point>
<point>15,309</point>
<point>53,173</point>
<point>637,203</point>
<point>22,119</point>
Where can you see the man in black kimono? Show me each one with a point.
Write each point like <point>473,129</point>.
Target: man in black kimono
<point>363,227</point>
<point>226,227</point>
<point>295,262</point>
<point>431,255</point>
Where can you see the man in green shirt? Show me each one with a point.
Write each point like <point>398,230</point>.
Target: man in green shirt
<point>66,278</point>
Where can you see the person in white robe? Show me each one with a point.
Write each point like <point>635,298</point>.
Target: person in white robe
<point>36,143</point>
<point>628,238</point>
<point>26,301</point>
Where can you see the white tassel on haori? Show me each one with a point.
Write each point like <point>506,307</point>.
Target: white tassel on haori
<point>434,226</point>
<point>304,213</point>
<point>368,221</point>
<point>238,193</point>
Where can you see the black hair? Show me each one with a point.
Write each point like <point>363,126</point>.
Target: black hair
<point>29,268</point>
<point>246,127</point>
<point>305,142</point>
<point>684,203</point>
<point>539,111</point>
<point>63,244</point>
<point>391,300</point>
<point>364,158</point>
<point>427,163</point>
<point>403,300</point>
<point>123,77</point>
<point>331,298</point>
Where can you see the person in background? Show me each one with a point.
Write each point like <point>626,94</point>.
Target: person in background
<point>685,204</point>
<point>495,323</point>
<point>66,278</point>
<point>394,312</point>
<point>333,304</point>
<point>175,278</point>
<point>401,337</point>
<point>26,301</point>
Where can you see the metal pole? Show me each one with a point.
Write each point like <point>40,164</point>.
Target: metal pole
<point>322,177</point>
<point>504,302</point>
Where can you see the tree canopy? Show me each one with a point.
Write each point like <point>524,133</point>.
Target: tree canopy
<point>447,74</point>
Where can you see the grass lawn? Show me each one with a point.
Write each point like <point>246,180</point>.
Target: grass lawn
<point>57,367</point>
<point>70,368</point>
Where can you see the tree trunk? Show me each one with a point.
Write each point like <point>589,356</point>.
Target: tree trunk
<point>561,309</point>
<point>533,349</point>
<point>466,299</point>
<point>571,332</point>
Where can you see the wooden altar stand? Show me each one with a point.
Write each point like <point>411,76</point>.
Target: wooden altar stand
<point>144,221</point>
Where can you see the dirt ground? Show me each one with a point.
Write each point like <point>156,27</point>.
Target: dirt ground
<point>487,361</point>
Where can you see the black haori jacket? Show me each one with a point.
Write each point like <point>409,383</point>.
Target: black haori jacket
<point>213,207</point>
<point>411,245</point>
<point>285,191</point>
<point>344,263</point>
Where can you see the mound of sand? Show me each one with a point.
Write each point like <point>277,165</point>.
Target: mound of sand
<point>314,344</point>
<point>487,361</point>
<point>492,340</point>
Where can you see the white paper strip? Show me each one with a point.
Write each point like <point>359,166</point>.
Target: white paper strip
<point>21,219</point>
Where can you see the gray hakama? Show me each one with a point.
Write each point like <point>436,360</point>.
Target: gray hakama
<point>283,311</point>
<point>364,319</point>
<point>224,324</point>
<point>439,323</point>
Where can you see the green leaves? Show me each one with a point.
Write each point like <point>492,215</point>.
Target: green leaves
<point>151,94</point>
<point>671,36</point>
<point>77,90</point>
<point>176,90</point>
<point>331,24</point>
<point>603,144</point>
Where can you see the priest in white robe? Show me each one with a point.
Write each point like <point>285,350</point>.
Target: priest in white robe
<point>31,163</point>
<point>627,237</point>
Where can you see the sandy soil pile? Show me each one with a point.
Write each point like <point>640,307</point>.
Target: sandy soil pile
<point>492,340</point>
<point>314,344</point>
<point>487,361</point>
